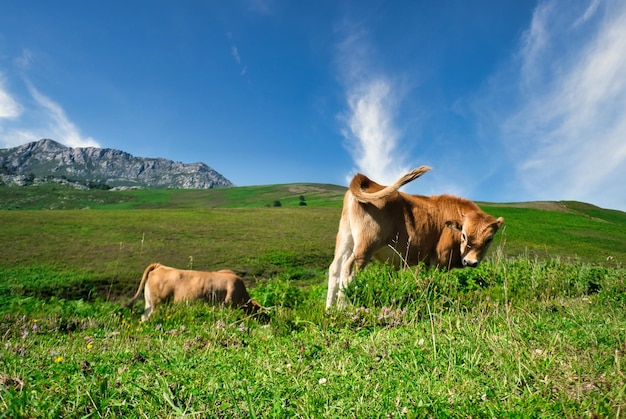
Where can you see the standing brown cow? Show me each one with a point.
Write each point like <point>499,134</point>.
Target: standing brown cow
<point>381,222</point>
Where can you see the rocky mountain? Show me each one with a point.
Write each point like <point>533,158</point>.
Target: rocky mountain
<point>48,159</point>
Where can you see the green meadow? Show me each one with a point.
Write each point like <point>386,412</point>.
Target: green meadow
<point>537,330</point>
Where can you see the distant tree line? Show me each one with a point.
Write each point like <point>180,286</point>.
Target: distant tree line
<point>302,203</point>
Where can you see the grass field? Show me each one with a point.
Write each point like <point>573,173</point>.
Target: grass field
<point>538,330</point>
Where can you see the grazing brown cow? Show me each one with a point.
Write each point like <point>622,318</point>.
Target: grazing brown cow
<point>381,222</point>
<point>161,283</point>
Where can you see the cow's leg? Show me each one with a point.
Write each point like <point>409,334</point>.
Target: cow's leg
<point>357,259</point>
<point>343,252</point>
<point>345,279</point>
<point>352,265</point>
<point>335,273</point>
<point>333,281</point>
<point>148,310</point>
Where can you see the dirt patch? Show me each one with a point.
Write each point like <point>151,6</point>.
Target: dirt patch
<point>314,189</point>
<point>540,205</point>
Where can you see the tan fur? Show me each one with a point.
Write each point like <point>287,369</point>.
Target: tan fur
<point>395,227</point>
<point>161,283</point>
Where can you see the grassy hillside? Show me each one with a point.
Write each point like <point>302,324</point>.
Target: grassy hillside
<point>53,196</point>
<point>536,331</point>
<point>112,247</point>
<point>572,231</point>
<point>238,227</point>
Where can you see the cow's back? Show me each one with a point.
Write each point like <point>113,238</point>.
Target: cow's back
<point>163,282</point>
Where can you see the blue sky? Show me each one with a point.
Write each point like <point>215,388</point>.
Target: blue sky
<point>506,100</point>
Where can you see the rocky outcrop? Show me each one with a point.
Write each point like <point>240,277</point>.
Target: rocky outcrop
<point>50,159</point>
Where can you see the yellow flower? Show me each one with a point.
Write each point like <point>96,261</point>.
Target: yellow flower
<point>58,359</point>
<point>89,345</point>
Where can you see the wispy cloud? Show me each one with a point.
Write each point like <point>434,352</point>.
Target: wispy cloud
<point>24,61</point>
<point>58,125</point>
<point>10,112</point>
<point>234,52</point>
<point>368,121</point>
<point>44,118</point>
<point>29,115</point>
<point>591,10</point>
<point>566,132</point>
<point>9,107</point>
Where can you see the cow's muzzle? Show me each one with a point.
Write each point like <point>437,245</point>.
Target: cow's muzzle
<point>470,263</point>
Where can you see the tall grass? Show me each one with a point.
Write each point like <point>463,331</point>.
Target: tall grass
<point>536,331</point>
<point>515,338</point>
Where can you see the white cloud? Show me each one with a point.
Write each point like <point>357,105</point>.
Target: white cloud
<point>591,10</point>
<point>9,107</point>
<point>535,42</point>
<point>59,127</point>
<point>235,54</point>
<point>371,131</point>
<point>234,51</point>
<point>10,112</point>
<point>372,100</point>
<point>23,119</point>
<point>567,132</point>
<point>24,61</point>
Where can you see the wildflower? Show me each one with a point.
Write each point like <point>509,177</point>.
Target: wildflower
<point>242,327</point>
<point>89,345</point>
<point>58,359</point>
<point>322,381</point>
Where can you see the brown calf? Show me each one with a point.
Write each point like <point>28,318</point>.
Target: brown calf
<point>160,283</point>
<point>381,222</point>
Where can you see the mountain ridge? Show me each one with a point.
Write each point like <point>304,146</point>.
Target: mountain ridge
<point>50,160</point>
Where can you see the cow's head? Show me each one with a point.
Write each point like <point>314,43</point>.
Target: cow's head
<point>477,231</point>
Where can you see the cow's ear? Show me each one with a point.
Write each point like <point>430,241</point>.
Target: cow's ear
<point>499,222</point>
<point>454,225</point>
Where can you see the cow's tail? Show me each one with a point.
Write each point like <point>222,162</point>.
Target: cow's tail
<point>149,269</point>
<point>359,183</point>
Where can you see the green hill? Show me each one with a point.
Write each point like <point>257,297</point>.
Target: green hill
<point>260,231</point>
<point>55,196</point>
<point>537,330</point>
